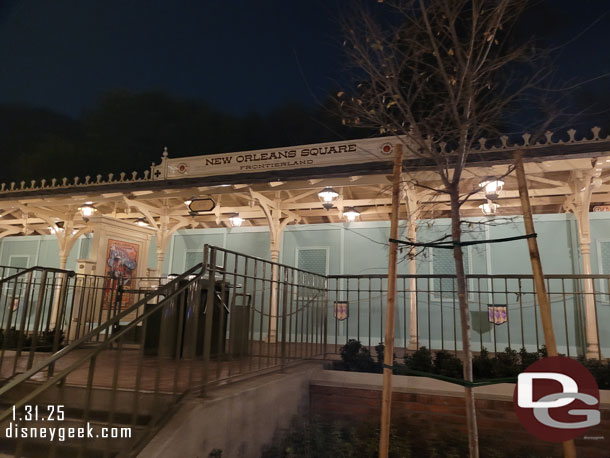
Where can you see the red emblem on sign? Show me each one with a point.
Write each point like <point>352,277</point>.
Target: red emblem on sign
<point>387,148</point>
<point>182,168</point>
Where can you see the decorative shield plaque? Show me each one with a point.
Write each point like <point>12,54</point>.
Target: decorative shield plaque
<point>341,310</point>
<point>498,314</point>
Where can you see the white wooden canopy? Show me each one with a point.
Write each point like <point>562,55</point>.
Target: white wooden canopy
<point>563,175</point>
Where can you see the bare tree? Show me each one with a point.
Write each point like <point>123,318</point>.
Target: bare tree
<point>439,75</point>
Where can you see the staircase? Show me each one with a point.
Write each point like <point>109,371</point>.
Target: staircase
<point>71,415</point>
<point>123,370</point>
<point>102,382</point>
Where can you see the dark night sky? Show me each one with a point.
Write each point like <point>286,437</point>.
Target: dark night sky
<point>238,55</point>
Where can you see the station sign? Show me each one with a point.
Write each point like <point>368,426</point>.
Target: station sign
<point>268,160</point>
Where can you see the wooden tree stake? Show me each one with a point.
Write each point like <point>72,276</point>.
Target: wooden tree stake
<point>569,450</point>
<point>388,355</point>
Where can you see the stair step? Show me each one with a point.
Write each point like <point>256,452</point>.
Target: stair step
<point>73,394</point>
<point>33,449</point>
<point>101,398</point>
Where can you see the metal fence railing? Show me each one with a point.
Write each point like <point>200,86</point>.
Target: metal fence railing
<point>504,311</point>
<point>227,318</point>
<point>43,309</point>
<point>275,313</point>
<point>122,354</point>
<point>7,271</point>
<point>112,383</point>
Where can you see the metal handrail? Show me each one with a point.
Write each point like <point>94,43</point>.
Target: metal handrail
<point>97,331</point>
<point>472,276</point>
<point>17,269</point>
<point>206,351</point>
<point>70,273</point>
<point>36,300</point>
<point>257,258</point>
<point>99,348</point>
<point>116,319</point>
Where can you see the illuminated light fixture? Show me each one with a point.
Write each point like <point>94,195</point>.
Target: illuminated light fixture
<point>87,210</point>
<point>489,208</point>
<point>493,188</point>
<point>236,220</point>
<point>142,222</point>
<point>327,196</point>
<point>351,214</point>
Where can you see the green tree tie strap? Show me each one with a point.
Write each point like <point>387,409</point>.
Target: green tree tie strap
<point>456,381</point>
<point>451,244</point>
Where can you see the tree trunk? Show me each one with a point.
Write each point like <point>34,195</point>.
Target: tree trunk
<point>456,232</point>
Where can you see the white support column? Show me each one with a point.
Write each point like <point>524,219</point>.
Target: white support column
<point>277,224</point>
<point>163,236</point>
<point>66,238</point>
<point>161,241</point>
<point>583,184</point>
<point>66,233</point>
<point>412,203</point>
<point>276,233</point>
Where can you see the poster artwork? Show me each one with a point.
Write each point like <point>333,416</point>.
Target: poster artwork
<point>121,267</point>
<point>498,314</point>
<point>341,310</point>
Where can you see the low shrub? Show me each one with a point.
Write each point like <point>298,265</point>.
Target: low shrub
<point>46,339</point>
<point>13,339</point>
<point>483,365</point>
<point>420,360</point>
<point>357,358</point>
<point>380,352</point>
<point>448,364</point>
<point>600,370</point>
<point>509,363</point>
<point>528,358</point>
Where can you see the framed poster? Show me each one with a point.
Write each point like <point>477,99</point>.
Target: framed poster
<point>121,264</point>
